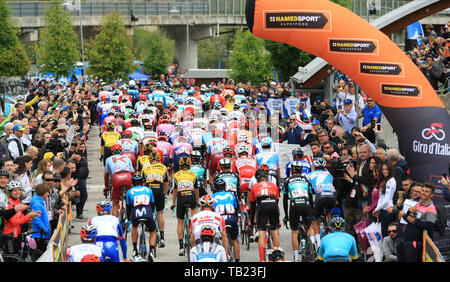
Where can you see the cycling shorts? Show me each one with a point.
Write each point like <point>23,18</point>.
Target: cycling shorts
<point>160,201</point>
<point>323,203</point>
<point>183,203</point>
<point>303,210</point>
<point>109,248</point>
<point>268,212</point>
<point>143,213</point>
<point>119,180</point>
<point>132,157</point>
<point>233,230</point>
<point>106,154</point>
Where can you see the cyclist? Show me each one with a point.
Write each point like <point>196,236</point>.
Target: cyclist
<point>214,152</point>
<point>226,205</point>
<point>246,167</point>
<point>165,147</point>
<point>264,198</point>
<point>130,147</point>
<point>180,148</point>
<point>298,191</point>
<point>199,169</point>
<point>157,178</point>
<point>143,160</point>
<point>230,178</point>
<point>207,215</point>
<point>322,182</point>
<point>297,155</point>
<point>121,169</point>
<point>208,250</point>
<point>270,158</point>
<point>87,251</point>
<point>139,201</point>
<point>338,246</point>
<point>185,195</point>
<point>154,142</point>
<point>228,152</point>
<point>108,138</point>
<point>109,231</point>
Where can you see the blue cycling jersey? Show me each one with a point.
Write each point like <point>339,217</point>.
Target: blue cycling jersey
<point>269,158</point>
<point>322,182</point>
<point>225,203</point>
<point>140,195</point>
<point>338,246</point>
<point>306,168</point>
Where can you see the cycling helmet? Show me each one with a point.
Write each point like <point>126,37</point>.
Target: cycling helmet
<point>228,151</point>
<point>236,106</point>
<point>90,258</point>
<point>103,207</point>
<point>185,161</point>
<point>13,185</point>
<point>217,105</point>
<point>337,224</point>
<point>88,233</point>
<point>276,254</point>
<point>116,149</point>
<point>110,125</point>
<point>212,118</point>
<point>137,180</point>
<point>241,91</point>
<point>296,166</point>
<point>208,231</point>
<point>132,113</point>
<point>266,142</point>
<point>148,125</point>
<point>263,171</point>
<point>4,172</point>
<point>196,156</point>
<point>135,123</point>
<point>223,111</point>
<point>127,133</point>
<point>147,149</point>
<point>162,136</point>
<point>219,185</point>
<point>206,201</point>
<point>298,153</point>
<point>154,156</point>
<point>320,162</point>
<point>132,83</point>
<point>158,85</point>
<point>242,149</point>
<point>153,141</point>
<point>225,163</point>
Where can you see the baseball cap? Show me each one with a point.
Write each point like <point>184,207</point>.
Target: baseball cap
<point>315,122</point>
<point>348,101</point>
<point>18,127</point>
<point>48,155</point>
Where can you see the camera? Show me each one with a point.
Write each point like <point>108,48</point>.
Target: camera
<point>57,144</point>
<point>339,167</point>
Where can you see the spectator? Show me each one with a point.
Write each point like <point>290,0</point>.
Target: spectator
<point>400,165</point>
<point>389,248</point>
<point>41,222</point>
<point>293,133</point>
<point>349,92</point>
<point>7,133</point>
<point>81,173</point>
<point>55,202</point>
<point>406,186</point>
<point>380,181</point>
<point>24,171</point>
<point>15,145</point>
<point>385,201</point>
<point>347,117</point>
<point>371,116</point>
<point>419,218</point>
<point>43,165</point>
<point>381,154</point>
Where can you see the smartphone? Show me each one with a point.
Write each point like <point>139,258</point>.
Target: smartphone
<point>378,126</point>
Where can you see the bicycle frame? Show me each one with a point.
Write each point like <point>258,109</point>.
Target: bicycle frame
<point>142,239</point>
<point>187,233</point>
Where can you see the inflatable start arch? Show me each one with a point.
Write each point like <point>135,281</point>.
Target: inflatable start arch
<point>375,63</point>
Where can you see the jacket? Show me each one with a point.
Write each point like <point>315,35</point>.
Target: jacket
<point>13,224</point>
<point>401,167</point>
<point>426,217</point>
<point>37,204</point>
<point>293,135</point>
<point>15,146</point>
<point>363,180</point>
<point>389,250</point>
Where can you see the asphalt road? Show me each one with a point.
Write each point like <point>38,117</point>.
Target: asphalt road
<point>170,252</point>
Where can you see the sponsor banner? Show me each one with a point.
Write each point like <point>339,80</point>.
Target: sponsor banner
<point>411,91</point>
<point>315,20</point>
<point>353,46</point>
<point>386,69</point>
<point>290,105</point>
<point>59,240</point>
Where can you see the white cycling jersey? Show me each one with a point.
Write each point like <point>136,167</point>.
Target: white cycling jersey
<point>208,252</point>
<point>78,252</point>
<point>207,218</point>
<point>106,225</point>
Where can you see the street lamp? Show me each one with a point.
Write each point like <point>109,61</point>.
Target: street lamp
<point>77,6</point>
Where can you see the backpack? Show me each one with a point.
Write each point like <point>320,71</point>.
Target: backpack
<point>441,220</point>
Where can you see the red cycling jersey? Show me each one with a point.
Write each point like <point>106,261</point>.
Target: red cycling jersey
<point>264,190</point>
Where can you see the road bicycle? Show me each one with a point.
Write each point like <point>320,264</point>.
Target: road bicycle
<point>122,210</point>
<point>268,242</point>
<point>142,239</point>
<point>25,253</point>
<point>186,230</point>
<point>244,225</point>
<point>7,249</point>
<point>306,250</point>
<point>230,245</point>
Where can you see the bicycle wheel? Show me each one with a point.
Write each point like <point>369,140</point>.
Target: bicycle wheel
<point>142,243</point>
<point>230,248</point>
<point>11,258</point>
<point>310,252</point>
<point>32,255</point>
<point>187,243</point>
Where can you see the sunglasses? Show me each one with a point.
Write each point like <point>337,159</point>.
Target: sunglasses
<point>47,179</point>
<point>392,231</point>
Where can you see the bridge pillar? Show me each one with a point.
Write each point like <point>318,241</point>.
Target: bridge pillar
<point>29,35</point>
<point>186,51</point>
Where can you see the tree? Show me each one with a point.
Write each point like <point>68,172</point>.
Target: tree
<point>248,60</point>
<point>111,56</point>
<point>59,48</point>
<point>13,59</point>
<point>155,49</point>
<point>215,49</point>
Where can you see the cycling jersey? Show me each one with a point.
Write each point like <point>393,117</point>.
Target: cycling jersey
<point>118,163</point>
<point>269,158</point>
<point>266,196</point>
<point>246,167</point>
<point>299,190</point>
<point>225,204</point>
<point>338,246</point>
<point>185,182</point>
<point>199,170</point>
<point>262,191</point>
<point>166,148</point>
<point>231,180</point>
<point>129,146</point>
<point>155,175</point>
<point>108,139</point>
<point>306,168</point>
<point>140,198</point>
<point>78,252</point>
<point>180,150</point>
<point>322,182</point>
<point>197,135</point>
<point>208,252</point>
<point>166,127</point>
<point>206,217</point>
<point>109,230</point>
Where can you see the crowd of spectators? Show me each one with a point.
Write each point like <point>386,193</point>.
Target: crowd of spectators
<point>432,54</point>
<point>43,155</point>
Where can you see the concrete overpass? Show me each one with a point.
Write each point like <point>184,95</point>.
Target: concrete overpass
<point>185,22</point>
<point>390,23</point>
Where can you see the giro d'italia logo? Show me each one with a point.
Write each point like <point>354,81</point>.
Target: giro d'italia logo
<point>435,131</point>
